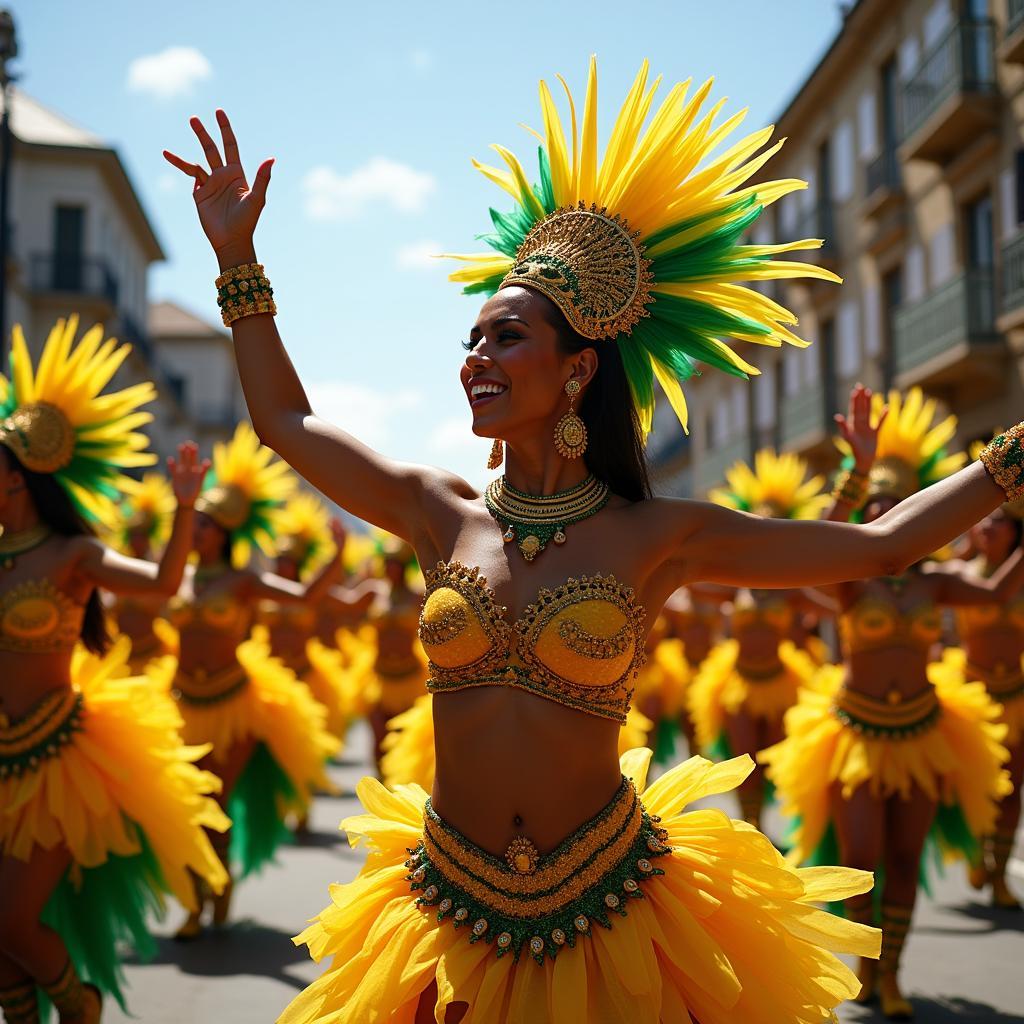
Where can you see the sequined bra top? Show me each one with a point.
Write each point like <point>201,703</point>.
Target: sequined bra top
<point>219,611</point>
<point>579,645</point>
<point>981,618</point>
<point>872,624</point>
<point>772,611</point>
<point>37,618</point>
<point>294,616</point>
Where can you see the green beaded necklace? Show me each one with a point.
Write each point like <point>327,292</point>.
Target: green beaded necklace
<point>534,520</point>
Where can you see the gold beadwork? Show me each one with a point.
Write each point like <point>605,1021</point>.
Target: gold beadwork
<point>601,685</point>
<point>571,431</point>
<point>40,435</point>
<point>1003,457</point>
<point>225,504</point>
<point>443,629</point>
<point>36,617</point>
<point>244,291</point>
<point>21,542</point>
<point>558,937</point>
<point>522,856</point>
<point>892,477</point>
<point>591,266</point>
<point>497,456</point>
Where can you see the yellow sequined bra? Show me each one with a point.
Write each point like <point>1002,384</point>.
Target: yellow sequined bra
<point>220,611</point>
<point>579,645</point>
<point>984,617</point>
<point>36,618</point>
<point>772,611</point>
<point>874,625</point>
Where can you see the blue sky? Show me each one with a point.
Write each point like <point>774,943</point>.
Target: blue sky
<point>373,112</point>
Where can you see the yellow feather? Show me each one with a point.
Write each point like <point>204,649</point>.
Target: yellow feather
<point>673,392</point>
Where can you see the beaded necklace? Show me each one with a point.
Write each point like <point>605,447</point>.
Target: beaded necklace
<point>14,544</point>
<point>533,520</point>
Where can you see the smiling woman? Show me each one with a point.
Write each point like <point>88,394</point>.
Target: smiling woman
<point>607,276</point>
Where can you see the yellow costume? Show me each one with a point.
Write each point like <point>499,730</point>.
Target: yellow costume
<point>640,247</point>
<point>661,686</point>
<point>256,697</point>
<point>98,765</point>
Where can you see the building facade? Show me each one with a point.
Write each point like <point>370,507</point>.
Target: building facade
<point>80,242</point>
<point>910,135</point>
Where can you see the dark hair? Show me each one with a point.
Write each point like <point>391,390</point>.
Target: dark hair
<point>1016,524</point>
<point>55,509</point>
<point>615,452</point>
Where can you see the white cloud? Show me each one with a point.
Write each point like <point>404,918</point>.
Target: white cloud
<point>422,60</point>
<point>334,196</point>
<point>418,256</point>
<point>369,414</point>
<point>172,72</point>
<point>168,182</point>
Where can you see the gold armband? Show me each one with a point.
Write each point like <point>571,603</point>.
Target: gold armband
<point>1003,457</point>
<point>244,291</point>
<point>851,487</point>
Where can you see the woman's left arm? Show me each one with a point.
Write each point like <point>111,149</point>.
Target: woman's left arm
<point>102,566</point>
<point>719,545</point>
<point>271,587</point>
<point>958,585</point>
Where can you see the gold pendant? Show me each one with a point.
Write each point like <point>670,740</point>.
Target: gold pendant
<point>559,537</point>
<point>522,856</point>
<point>530,547</point>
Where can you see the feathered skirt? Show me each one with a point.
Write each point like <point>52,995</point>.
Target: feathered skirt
<point>947,741</point>
<point>644,914</point>
<point>1006,688</point>
<point>101,769</point>
<point>258,700</point>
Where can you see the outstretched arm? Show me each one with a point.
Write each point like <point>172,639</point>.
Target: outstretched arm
<point>861,434</point>
<point>398,497</point>
<point>277,588</point>
<point>719,545</point>
<point>959,585</point>
<point>101,566</point>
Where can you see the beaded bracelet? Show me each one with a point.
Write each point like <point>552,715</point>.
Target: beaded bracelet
<point>850,487</point>
<point>244,291</point>
<point>1003,457</point>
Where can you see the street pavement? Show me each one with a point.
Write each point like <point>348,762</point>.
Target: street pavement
<point>964,961</point>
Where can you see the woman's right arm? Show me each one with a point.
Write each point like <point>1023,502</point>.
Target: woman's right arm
<point>401,498</point>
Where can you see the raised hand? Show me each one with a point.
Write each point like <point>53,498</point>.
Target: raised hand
<point>187,473</point>
<point>339,533</point>
<point>228,208</point>
<point>858,430</point>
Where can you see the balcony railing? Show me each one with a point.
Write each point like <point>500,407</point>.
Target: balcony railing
<point>73,275</point>
<point>718,460</point>
<point>884,173</point>
<point>1014,15</point>
<point>803,415</point>
<point>1012,293</point>
<point>961,311</point>
<point>817,222</point>
<point>962,61</point>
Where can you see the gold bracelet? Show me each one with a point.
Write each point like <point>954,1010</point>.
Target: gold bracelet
<point>244,291</point>
<point>850,487</point>
<point>1003,457</point>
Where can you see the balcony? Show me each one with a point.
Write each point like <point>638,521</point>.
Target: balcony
<point>1011,292</point>
<point>1012,47</point>
<point>804,420</point>
<point>818,222</point>
<point>948,341</point>
<point>712,467</point>
<point>950,100</point>
<point>75,282</point>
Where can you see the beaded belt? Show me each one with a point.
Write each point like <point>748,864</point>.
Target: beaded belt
<point>894,717</point>
<point>542,902</point>
<point>40,734</point>
<point>1001,683</point>
<point>200,688</point>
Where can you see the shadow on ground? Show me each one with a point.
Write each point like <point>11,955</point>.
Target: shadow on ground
<point>935,1010</point>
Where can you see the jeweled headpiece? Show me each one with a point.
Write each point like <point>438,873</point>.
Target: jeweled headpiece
<point>911,452</point>
<point>777,487</point>
<point>643,246</point>
<point>148,505</point>
<point>56,419</point>
<point>303,532</point>
<point>246,484</point>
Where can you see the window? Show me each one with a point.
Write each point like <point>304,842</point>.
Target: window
<point>68,243</point>
<point>979,235</point>
<point>887,105</point>
<point>892,297</point>
<point>828,363</point>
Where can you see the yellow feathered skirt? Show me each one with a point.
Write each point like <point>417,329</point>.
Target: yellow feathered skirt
<point>258,699</point>
<point>101,769</point>
<point>1010,699</point>
<point>957,760</point>
<point>728,931</point>
<point>409,743</point>
<point>326,681</point>
<point>720,689</point>
<point>358,649</point>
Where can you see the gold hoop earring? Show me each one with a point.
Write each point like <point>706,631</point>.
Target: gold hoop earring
<point>497,454</point>
<point>571,431</point>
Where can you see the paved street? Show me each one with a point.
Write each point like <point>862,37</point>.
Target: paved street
<point>965,962</point>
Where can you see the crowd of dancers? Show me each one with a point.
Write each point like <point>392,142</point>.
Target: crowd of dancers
<point>183,653</point>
